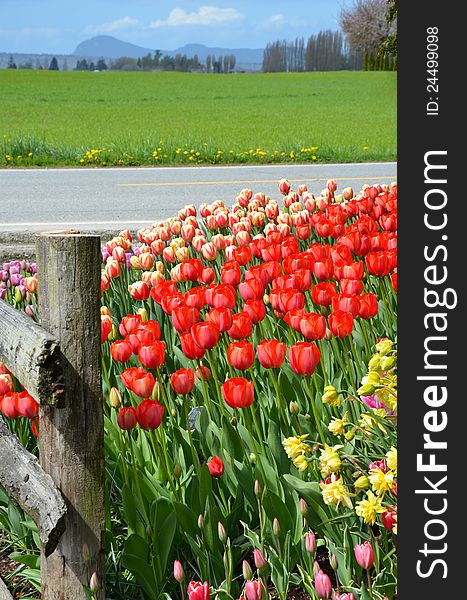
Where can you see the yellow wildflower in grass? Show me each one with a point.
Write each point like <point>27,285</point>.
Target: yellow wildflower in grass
<point>381,482</point>
<point>370,508</point>
<point>331,396</point>
<point>335,492</point>
<point>330,461</point>
<point>337,426</point>
<point>295,446</point>
<point>391,459</point>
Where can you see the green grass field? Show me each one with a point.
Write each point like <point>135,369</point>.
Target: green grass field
<point>72,118</point>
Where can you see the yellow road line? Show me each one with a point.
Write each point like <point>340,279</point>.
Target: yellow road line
<point>250,181</point>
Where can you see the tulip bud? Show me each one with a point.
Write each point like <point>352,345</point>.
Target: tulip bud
<point>173,412</point>
<point>349,436</point>
<point>333,561</point>
<point>144,314</point>
<point>221,532</point>
<point>156,392</point>
<point>266,299</point>
<point>201,521</point>
<point>294,408</point>
<point>18,295</point>
<point>387,362</point>
<point>257,489</point>
<point>310,542</point>
<point>362,483</point>
<point>328,335</point>
<point>276,528</point>
<point>246,570</point>
<point>364,555</point>
<point>94,583</point>
<point>113,334</point>
<point>115,398</point>
<point>234,421</point>
<point>252,458</point>
<point>366,390</point>
<point>86,553</point>
<point>177,470</point>
<point>303,507</point>
<point>260,562</point>
<point>179,573</point>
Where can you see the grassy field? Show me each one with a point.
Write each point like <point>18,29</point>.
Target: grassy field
<point>72,118</point>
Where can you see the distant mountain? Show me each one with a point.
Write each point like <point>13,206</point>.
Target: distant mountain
<point>107,46</point>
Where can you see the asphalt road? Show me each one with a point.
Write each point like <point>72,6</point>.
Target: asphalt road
<point>115,198</point>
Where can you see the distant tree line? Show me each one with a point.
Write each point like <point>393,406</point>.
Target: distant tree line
<point>367,40</point>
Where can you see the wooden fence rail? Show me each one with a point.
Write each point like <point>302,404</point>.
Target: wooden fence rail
<point>59,363</point>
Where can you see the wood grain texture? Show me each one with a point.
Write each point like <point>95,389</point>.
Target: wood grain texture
<point>72,437</point>
<point>34,490</point>
<point>31,354</point>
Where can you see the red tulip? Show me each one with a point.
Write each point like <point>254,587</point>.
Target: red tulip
<point>221,317</point>
<point>208,276</point>
<point>323,269</point>
<point>195,298</point>
<point>171,301</point>
<point>203,373</point>
<point>394,280</point>
<point>304,356</point>
<point>139,290</point>
<point>126,417</point>
<point>242,255</point>
<point>149,414</point>
<point>323,293</point>
<point>346,303</point>
<point>291,300</point>
<point>241,355</point>
<point>129,323</point>
<point>191,269</point>
<point>121,350</point>
<point>340,323</point>
<point>351,287</point>
<point>379,263</point>
<point>349,270</point>
<point>241,327</point>
<point>215,466</point>
<point>8,405</point>
<point>183,317</point>
<point>231,273</point>
<point>222,296</point>
<point>271,353</point>
<point>368,306</point>
<point>106,328</point>
<point>198,591</point>
<point>205,335</point>
<point>252,289</point>
<point>34,426</point>
<point>238,392</point>
<point>182,381</point>
<point>313,326</point>
<point>388,517</point>
<point>294,317</point>
<point>26,406</point>
<point>255,309</point>
<point>6,384</point>
<point>189,347</point>
<point>152,356</point>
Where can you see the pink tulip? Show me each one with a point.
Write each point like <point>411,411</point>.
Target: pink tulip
<point>364,555</point>
<point>179,573</point>
<point>323,585</point>
<point>260,562</point>
<point>254,590</point>
<point>198,591</point>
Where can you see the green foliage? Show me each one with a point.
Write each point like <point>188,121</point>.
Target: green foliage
<point>58,118</point>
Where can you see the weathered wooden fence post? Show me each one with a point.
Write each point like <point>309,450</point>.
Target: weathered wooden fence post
<point>72,432</point>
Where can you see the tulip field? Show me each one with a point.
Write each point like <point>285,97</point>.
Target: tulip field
<point>249,361</point>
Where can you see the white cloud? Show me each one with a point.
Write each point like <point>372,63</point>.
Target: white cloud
<point>122,24</point>
<point>276,20</point>
<point>206,15</point>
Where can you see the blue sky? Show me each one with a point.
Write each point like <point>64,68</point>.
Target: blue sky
<point>58,26</point>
